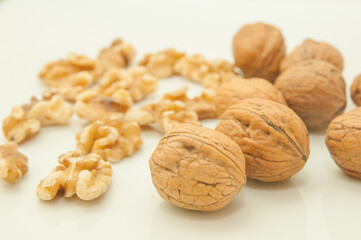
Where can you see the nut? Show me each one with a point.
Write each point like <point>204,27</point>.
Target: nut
<point>161,64</point>
<point>236,90</point>
<point>273,138</point>
<point>356,90</point>
<point>197,168</point>
<point>311,49</point>
<point>117,55</point>
<point>315,90</point>
<point>136,80</point>
<point>94,106</point>
<point>111,139</point>
<point>87,177</point>
<point>343,141</point>
<point>13,164</point>
<point>258,50</point>
<point>61,73</point>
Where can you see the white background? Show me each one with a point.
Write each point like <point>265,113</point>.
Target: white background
<point>318,203</point>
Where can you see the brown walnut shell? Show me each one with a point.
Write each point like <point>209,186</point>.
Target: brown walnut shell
<point>356,90</point>
<point>273,138</point>
<point>343,141</point>
<point>311,49</point>
<point>258,50</point>
<point>315,90</point>
<point>236,90</point>
<point>197,168</point>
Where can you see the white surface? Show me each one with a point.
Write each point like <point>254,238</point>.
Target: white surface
<point>319,203</point>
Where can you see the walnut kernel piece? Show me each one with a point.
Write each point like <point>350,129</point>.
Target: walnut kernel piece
<point>87,177</point>
<point>197,168</point>
<point>258,50</point>
<point>315,90</point>
<point>343,141</point>
<point>273,138</point>
<point>311,49</point>
<point>161,64</point>
<point>236,90</point>
<point>118,55</point>
<point>356,90</point>
<point>13,164</point>
<point>112,139</point>
<point>94,106</point>
<point>62,72</point>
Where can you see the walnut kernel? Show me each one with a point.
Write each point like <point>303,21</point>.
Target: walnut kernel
<point>13,164</point>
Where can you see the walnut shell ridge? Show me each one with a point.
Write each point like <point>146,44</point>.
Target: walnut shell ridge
<point>197,168</point>
<point>273,138</point>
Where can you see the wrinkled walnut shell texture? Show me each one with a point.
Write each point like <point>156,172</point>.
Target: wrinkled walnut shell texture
<point>343,141</point>
<point>197,168</point>
<point>273,138</point>
<point>356,90</point>
<point>311,49</point>
<point>258,50</point>
<point>236,90</point>
<point>315,90</point>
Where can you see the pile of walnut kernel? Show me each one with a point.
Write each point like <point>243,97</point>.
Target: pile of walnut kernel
<point>265,115</point>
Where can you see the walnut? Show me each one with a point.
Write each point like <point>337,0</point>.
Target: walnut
<point>161,64</point>
<point>94,106</point>
<point>258,50</point>
<point>311,49</point>
<point>87,177</point>
<point>136,80</point>
<point>356,90</point>
<point>343,141</point>
<point>111,139</point>
<point>61,73</point>
<point>13,164</point>
<point>208,73</point>
<point>197,168</point>
<point>234,91</point>
<point>315,90</point>
<point>117,55</point>
<point>273,138</point>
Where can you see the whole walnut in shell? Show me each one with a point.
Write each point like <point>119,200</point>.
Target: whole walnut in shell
<point>356,90</point>
<point>258,50</point>
<point>197,168</point>
<point>311,49</point>
<point>315,90</point>
<point>236,90</point>
<point>273,138</point>
<point>343,141</point>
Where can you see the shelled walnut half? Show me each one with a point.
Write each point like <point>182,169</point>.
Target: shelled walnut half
<point>111,139</point>
<point>87,177</point>
<point>13,164</point>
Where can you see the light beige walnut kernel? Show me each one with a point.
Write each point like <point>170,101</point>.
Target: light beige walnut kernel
<point>273,138</point>
<point>161,64</point>
<point>61,73</point>
<point>118,55</point>
<point>311,49</point>
<point>197,168</point>
<point>315,90</point>
<point>94,106</point>
<point>258,50</point>
<point>88,177</point>
<point>13,164</point>
<point>238,89</point>
<point>356,90</point>
<point>343,141</point>
<point>113,140</point>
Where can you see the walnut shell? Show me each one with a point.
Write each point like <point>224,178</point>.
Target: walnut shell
<point>238,89</point>
<point>273,138</point>
<point>315,90</point>
<point>343,141</point>
<point>197,168</point>
<point>356,90</point>
<point>311,49</point>
<point>258,50</point>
